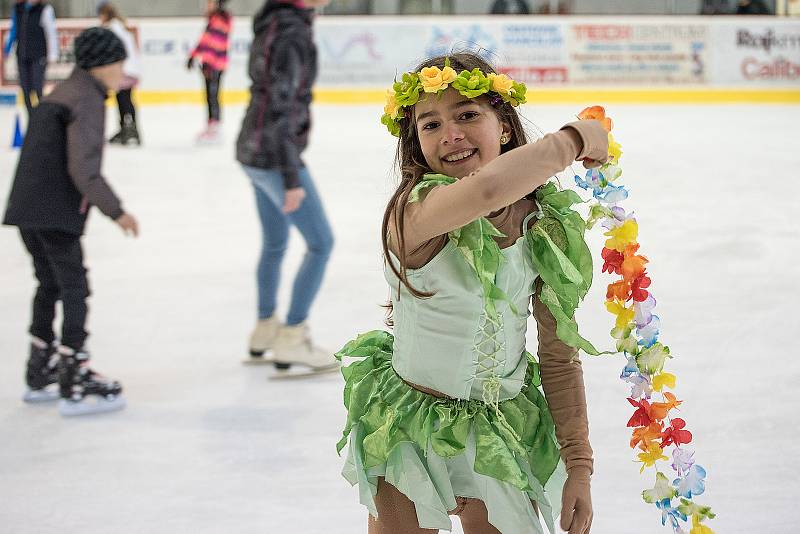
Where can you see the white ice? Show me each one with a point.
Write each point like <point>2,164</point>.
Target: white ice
<point>208,445</point>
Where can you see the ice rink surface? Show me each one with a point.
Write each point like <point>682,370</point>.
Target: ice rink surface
<point>208,445</point>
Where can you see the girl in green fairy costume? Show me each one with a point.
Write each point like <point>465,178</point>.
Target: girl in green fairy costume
<point>452,415</point>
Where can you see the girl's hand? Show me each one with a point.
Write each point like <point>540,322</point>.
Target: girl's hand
<point>590,163</point>
<point>294,197</point>
<point>576,503</point>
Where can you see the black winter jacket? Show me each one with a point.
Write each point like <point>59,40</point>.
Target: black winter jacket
<point>58,173</point>
<point>283,66</point>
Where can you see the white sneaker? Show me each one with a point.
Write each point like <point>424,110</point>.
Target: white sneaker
<point>262,339</point>
<point>293,347</point>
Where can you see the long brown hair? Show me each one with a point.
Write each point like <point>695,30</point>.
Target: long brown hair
<point>109,12</point>
<point>411,164</point>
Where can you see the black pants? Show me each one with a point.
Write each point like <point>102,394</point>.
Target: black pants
<point>125,104</point>
<point>213,81</point>
<point>58,265</point>
<point>31,78</point>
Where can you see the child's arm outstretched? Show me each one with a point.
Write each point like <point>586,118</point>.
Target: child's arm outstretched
<point>562,381</point>
<point>503,181</point>
<point>84,157</point>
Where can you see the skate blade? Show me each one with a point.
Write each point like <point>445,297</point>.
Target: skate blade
<point>36,396</point>
<point>301,371</point>
<point>90,406</point>
<point>258,360</point>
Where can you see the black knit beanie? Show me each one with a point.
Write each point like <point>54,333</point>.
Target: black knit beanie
<point>96,47</point>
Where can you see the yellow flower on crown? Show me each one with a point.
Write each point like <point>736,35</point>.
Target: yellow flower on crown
<point>500,83</point>
<point>435,79</point>
<point>392,108</point>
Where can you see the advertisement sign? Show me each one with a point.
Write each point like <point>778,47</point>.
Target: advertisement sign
<point>368,52</point>
<point>373,54</point>
<point>356,55</point>
<point>535,53</point>
<point>757,54</point>
<point>638,53</point>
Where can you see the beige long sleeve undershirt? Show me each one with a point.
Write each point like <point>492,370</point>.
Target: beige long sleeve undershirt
<point>497,191</point>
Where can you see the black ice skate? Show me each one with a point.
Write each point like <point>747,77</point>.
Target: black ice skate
<point>130,133</point>
<point>83,391</point>
<point>41,373</point>
<point>116,138</point>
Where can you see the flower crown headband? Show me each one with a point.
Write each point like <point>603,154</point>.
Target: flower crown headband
<point>471,84</point>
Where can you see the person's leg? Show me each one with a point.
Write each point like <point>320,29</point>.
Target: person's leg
<point>66,258</point>
<point>125,106</point>
<point>47,294</point>
<point>209,89</point>
<point>25,72</point>
<point>128,131</point>
<point>313,225</point>
<point>38,69</point>
<point>475,518</point>
<point>213,96</point>
<point>396,513</point>
<point>275,232</point>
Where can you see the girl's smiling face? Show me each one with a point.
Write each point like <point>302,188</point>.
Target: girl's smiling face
<point>458,135</point>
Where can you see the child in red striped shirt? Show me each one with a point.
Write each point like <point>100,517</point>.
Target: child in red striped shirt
<point>212,53</point>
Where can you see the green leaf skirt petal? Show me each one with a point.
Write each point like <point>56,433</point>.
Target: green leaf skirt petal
<point>389,424</point>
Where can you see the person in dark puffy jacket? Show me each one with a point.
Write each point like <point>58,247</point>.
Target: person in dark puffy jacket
<point>58,179</point>
<point>275,129</point>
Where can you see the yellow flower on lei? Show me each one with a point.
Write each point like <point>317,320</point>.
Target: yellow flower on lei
<point>654,453</point>
<point>698,527</point>
<point>614,149</point>
<point>624,315</point>
<point>662,380</point>
<point>435,79</point>
<point>500,83</point>
<point>392,108</point>
<point>622,235</point>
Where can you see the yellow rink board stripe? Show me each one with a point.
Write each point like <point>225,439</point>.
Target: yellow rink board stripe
<point>535,96</point>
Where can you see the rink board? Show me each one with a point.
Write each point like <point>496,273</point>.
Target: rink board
<point>561,59</point>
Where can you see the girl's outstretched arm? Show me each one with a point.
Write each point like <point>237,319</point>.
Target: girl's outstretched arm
<point>503,181</point>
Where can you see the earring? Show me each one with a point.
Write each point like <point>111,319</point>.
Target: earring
<point>505,138</point>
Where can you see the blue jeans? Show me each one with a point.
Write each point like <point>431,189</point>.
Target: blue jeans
<point>313,225</point>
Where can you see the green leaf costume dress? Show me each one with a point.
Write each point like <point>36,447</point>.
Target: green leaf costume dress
<point>493,438</point>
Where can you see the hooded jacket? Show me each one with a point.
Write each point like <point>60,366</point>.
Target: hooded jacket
<point>282,67</point>
<point>58,175</point>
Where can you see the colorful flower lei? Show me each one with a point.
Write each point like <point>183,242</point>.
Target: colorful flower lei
<point>472,84</point>
<point>636,332</point>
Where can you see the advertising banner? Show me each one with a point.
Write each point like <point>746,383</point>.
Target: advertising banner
<point>754,53</point>
<point>636,53</point>
<point>368,52</point>
<point>373,54</point>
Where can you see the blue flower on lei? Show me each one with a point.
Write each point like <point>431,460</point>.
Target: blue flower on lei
<point>693,483</point>
<point>601,188</point>
<point>649,332</point>
<point>668,513</point>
